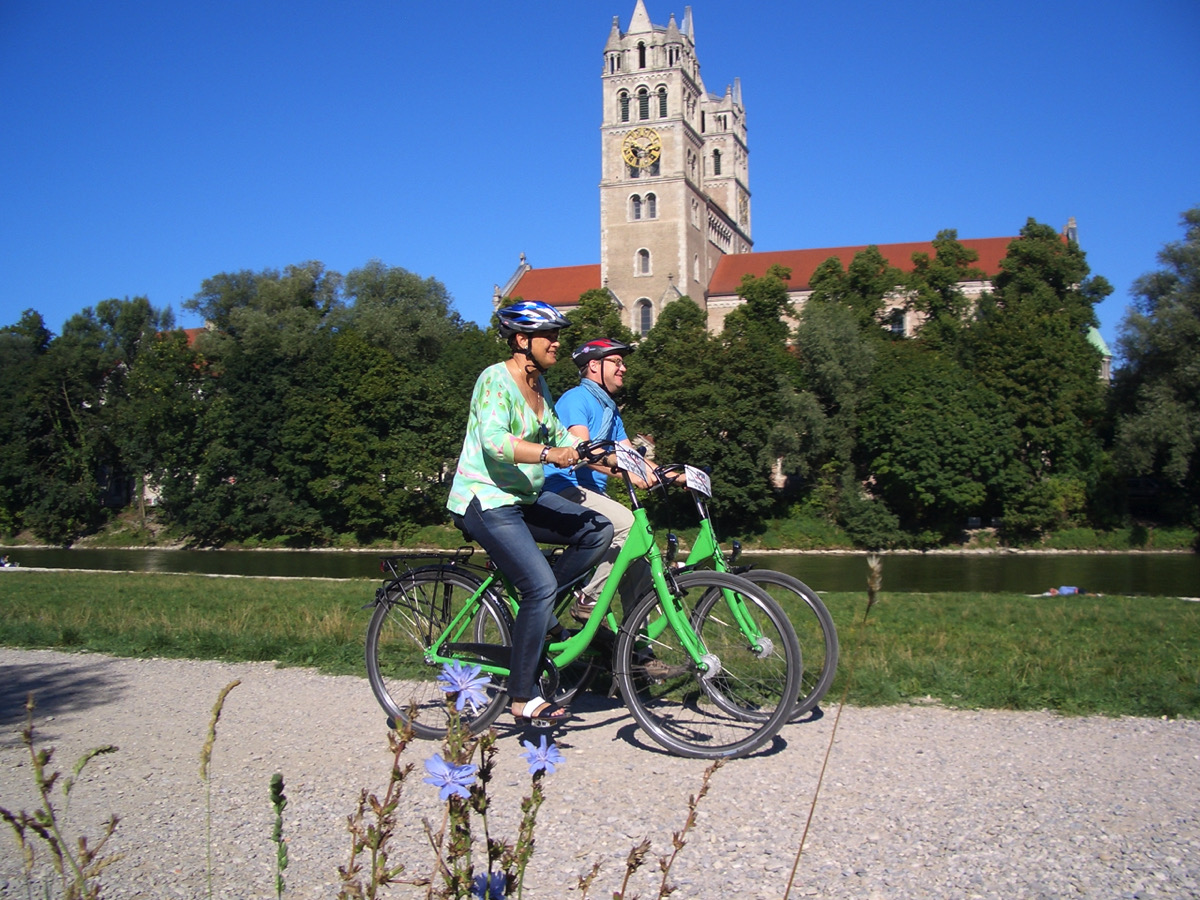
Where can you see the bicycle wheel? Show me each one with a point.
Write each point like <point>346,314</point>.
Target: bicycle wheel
<point>814,630</point>
<point>411,614</point>
<point>744,695</point>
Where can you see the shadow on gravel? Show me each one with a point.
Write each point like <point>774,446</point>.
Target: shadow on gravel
<point>56,689</point>
<point>632,735</point>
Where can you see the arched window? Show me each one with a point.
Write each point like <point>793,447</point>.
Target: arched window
<point>623,104</point>
<point>643,96</point>
<point>645,316</point>
<point>716,162</point>
<point>651,207</point>
<point>642,264</point>
<point>641,55</point>
<point>635,207</point>
<point>662,102</point>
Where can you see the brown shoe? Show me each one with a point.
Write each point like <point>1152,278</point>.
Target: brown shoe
<point>582,608</point>
<point>659,670</point>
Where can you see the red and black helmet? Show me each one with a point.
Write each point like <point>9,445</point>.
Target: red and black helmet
<point>599,349</point>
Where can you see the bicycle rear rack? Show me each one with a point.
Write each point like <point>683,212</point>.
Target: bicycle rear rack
<point>397,565</point>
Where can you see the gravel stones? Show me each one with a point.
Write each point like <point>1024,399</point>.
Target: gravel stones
<point>916,802</point>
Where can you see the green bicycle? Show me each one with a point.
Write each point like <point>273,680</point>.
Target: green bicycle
<point>700,683</point>
<point>813,624</point>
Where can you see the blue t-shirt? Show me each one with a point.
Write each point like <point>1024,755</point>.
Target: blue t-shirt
<point>578,407</point>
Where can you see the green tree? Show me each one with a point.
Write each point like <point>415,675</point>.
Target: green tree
<point>934,288</point>
<point>409,316</point>
<point>284,311</point>
<point>158,426</point>
<point>836,358</point>
<point>861,287</point>
<point>21,347</point>
<point>672,391</point>
<point>757,375</point>
<point>1157,390</point>
<point>934,442</point>
<point>1029,343</point>
<point>68,441</point>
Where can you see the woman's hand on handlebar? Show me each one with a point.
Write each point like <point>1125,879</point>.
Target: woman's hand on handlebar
<point>562,457</point>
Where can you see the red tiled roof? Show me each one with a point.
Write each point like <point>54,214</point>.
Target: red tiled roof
<point>728,275</point>
<point>560,286</point>
<point>192,334</point>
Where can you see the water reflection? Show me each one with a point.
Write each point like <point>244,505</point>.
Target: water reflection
<point>1176,574</point>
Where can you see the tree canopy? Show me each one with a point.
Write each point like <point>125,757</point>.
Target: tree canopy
<point>319,409</point>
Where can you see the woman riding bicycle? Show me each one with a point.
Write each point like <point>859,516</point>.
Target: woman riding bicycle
<point>496,498</point>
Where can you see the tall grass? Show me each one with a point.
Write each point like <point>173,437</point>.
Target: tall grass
<point>1106,655</point>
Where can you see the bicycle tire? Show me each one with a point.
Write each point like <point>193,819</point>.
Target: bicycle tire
<point>412,611</point>
<point>708,716</point>
<point>814,630</point>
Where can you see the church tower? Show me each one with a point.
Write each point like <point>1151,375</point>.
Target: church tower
<point>674,187</point>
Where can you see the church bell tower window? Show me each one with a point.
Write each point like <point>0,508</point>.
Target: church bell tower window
<point>643,103</point>
<point>641,55</point>
<point>645,315</point>
<point>662,102</point>
<point>623,104</point>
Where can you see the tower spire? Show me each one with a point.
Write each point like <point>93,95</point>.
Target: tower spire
<point>640,23</point>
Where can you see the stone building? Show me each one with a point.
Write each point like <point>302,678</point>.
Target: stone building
<point>675,210</point>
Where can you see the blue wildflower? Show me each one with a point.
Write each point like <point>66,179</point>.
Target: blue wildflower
<point>450,778</point>
<point>488,887</point>
<point>465,681</point>
<point>543,757</point>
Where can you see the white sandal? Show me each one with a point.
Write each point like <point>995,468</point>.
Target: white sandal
<point>539,712</point>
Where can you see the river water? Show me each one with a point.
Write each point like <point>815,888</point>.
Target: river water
<point>1160,574</point>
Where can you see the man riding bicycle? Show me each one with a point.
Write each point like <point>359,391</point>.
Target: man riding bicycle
<point>589,412</point>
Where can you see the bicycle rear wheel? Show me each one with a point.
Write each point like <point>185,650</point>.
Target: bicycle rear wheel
<point>814,630</point>
<point>412,612</point>
<point>742,698</point>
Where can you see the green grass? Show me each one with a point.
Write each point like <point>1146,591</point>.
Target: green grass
<point>1095,655</point>
<point>1077,655</point>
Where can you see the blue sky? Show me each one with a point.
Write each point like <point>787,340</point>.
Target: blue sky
<point>149,145</point>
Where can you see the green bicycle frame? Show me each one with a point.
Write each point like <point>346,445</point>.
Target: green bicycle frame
<point>705,548</point>
<point>640,544</point>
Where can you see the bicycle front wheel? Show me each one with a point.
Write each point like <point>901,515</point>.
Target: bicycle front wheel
<point>411,614</point>
<point>742,694</point>
<point>814,630</point>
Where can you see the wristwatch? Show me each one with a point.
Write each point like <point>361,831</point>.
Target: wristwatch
<point>545,453</point>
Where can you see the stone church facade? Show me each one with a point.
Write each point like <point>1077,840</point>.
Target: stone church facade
<point>675,210</point>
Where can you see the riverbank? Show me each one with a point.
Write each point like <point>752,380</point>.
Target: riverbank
<point>774,539</point>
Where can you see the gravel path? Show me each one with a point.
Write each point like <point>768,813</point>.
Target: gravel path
<point>917,802</point>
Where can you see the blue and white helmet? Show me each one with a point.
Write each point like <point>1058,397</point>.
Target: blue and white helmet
<point>529,316</point>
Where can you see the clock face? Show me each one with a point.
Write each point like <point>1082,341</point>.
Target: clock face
<point>642,147</point>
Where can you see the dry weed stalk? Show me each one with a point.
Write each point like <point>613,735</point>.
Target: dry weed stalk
<point>77,864</point>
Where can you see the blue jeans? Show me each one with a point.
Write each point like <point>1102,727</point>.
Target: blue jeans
<point>510,536</point>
